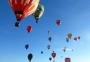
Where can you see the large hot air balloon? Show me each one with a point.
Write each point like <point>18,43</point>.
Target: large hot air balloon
<point>39,12</point>
<point>27,46</point>
<point>23,8</point>
<point>30,56</point>
<point>29,28</point>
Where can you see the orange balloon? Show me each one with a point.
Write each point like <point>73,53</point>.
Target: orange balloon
<point>23,8</point>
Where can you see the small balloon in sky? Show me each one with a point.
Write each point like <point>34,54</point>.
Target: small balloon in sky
<point>30,56</point>
<point>64,49</point>
<point>53,54</point>
<point>50,58</point>
<point>48,47</point>
<point>49,32</point>
<point>67,59</point>
<point>67,39</point>
<point>78,37</point>
<point>69,35</point>
<point>58,22</point>
<point>27,46</point>
<point>49,39</point>
<point>75,38</point>
<point>29,28</point>
<point>41,52</point>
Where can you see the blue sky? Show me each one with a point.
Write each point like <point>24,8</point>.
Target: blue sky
<point>75,16</point>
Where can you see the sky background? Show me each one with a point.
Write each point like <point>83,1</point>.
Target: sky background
<point>75,17</point>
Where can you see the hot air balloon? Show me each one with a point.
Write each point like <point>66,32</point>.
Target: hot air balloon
<point>27,46</point>
<point>48,47</point>
<point>30,56</point>
<point>69,35</point>
<point>41,52</point>
<point>67,60</point>
<point>50,58</point>
<point>53,54</point>
<point>49,32</point>
<point>29,28</point>
<point>67,39</point>
<point>39,12</point>
<point>23,8</point>
<point>58,22</point>
<point>49,39</point>
<point>75,38</point>
<point>64,49</point>
<point>78,37</point>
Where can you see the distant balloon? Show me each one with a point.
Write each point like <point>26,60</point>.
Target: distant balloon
<point>67,60</point>
<point>30,56</point>
<point>64,49</point>
<point>41,52</point>
<point>50,58</point>
<point>69,35</point>
<point>29,28</point>
<point>49,39</point>
<point>67,39</point>
<point>48,46</point>
<point>53,54</point>
<point>58,22</point>
<point>78,37</point>
<point>75,38</point>
<point>27,46</point>
<point>49,32</point>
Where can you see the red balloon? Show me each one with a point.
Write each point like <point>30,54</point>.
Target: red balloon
<point>29,28</point>
<point>53,54</point>
<point>23,8</point>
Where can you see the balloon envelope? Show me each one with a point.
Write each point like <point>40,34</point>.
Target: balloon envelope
<point>30,56</point>
<point>29,28</point>
<point>23,8</point>
<point>26,46</point>
<point>39,12</point>
<point>53,54</point>
<point>69,35</point>
<point>58,22</point>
